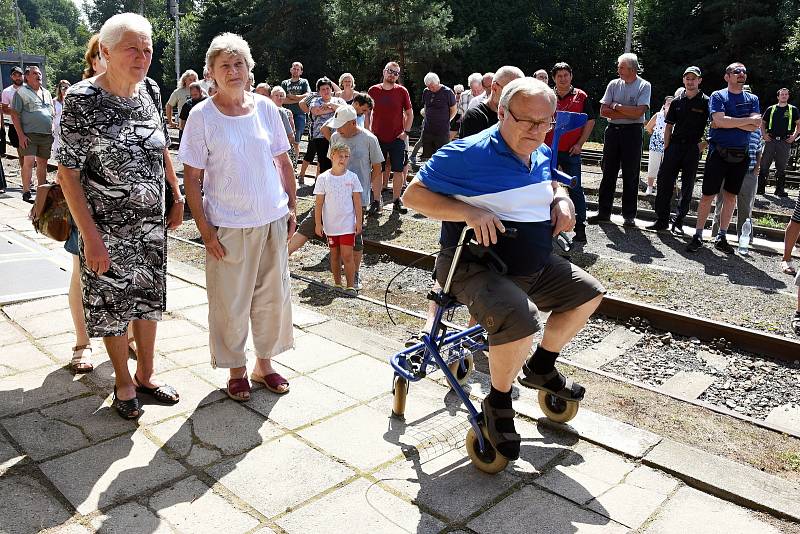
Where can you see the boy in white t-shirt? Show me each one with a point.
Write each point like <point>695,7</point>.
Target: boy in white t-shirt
<point>337,213</point>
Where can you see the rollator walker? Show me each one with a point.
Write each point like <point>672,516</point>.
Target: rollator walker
<point>453,353</point>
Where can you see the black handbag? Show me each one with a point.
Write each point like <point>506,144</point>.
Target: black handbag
<point>731,154</point>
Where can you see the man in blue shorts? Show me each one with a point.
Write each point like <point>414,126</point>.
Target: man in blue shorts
<point>734,114</point>
<point>491,181</point>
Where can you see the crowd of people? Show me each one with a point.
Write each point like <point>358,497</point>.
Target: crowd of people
<point>487,150</point>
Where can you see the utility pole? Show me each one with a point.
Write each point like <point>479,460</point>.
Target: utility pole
<point>629,33</point>
<point>15,7</point>
<point>175,13</point>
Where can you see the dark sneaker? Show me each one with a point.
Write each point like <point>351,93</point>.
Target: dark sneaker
<point>597,219</point>
<point>723,246</point>
<point>375,208</point>
<point>580,234</point>
<point>26,196</point>
<point>677,228</point>
<point>629,222</point>
<point>398,206</point>
<point>694,245</point>
<point>659,226</point>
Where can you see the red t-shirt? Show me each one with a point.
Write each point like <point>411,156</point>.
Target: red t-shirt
<point>575,101</point>
<point>387,115</point>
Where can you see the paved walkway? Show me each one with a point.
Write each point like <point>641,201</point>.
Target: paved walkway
<point>326,457</point>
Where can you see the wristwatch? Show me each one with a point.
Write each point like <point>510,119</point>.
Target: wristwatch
<point>179,200</point>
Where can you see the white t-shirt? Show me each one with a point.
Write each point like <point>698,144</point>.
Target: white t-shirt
<point>8,94</point>
<point>242,187</point>
<point>476,100</point>
<point>338,213</point>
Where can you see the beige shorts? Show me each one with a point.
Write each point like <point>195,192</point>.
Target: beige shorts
<point>39,145</point>
<point>248,289</point>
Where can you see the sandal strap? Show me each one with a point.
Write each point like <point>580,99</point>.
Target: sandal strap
<point>238,385</point>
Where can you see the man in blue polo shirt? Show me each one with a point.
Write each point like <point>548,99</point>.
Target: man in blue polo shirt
<point>490,181</point>
<point>734,114</point>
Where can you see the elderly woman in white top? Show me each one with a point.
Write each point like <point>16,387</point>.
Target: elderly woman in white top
<point>245,217</point>
<point>113,160</point>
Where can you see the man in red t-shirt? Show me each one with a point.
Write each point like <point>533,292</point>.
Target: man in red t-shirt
<point>392,117</point>
<point>571,143</point>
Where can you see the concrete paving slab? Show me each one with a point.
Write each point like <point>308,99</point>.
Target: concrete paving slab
<point>33,389</point>
<point>176,433</point>
<point>66,427</point>
<point>56,322</point>
<point>612,434</point>
<point>103,374</point>
<point>690,384</point>
<point>103,474</point>
<point>312,352</point>
<point>447,484</point>
<point>186,297</point>
<point>28,506</point>
<point>167,346</point>
<point>727,479</point>
<point>425,399</point>
<point>716,361</point>
<point>191,506</point>
<point>540,445</point>
<point>230,428</point>
<point>359,376</point>
<point>627,504</point>
<point>69,528</point>
<point>364,508</point>
<point>219,377</point>
<point>188,273</point>
<point>614,345</point>
<point>355,436</point>
<point>304,317</point>
<point>31,262</point>
<point>266,477</point>
<point>648,478</point>
<point>178,327</point>
<point>307,401</point>
<point>25,310</point>
<point>22,357</point>
<point>9,456</point>
<point>356,338</point>
<point>787,416</point>
<point>194,393</point>
<point>690,510</point>
<point>534,511</point>
<point>196,314</point>
<point>130,517</point>
<point>10,334</point>
<point>191,357</point>
<point>175,283</point>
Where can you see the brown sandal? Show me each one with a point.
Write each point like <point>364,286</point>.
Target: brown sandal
<point>236,386</point>
<point>79,363</point>
<point>272,382</point>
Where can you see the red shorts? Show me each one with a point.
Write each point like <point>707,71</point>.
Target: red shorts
<point>347,240</point>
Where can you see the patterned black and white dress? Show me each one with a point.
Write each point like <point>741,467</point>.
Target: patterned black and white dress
<point>118,146</point>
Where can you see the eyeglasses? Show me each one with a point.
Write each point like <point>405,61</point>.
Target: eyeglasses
<point>738,70</point>
<point>534,125</point>
<point>392,71</point>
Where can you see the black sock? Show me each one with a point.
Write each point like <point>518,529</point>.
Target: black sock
<point>498,399</point>
<point>542,361</point>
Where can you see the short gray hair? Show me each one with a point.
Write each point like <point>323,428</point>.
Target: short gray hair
<point>229,43</point>
<point>529,87</point>
<point>184,77</point>
<point>458,88</point>
<point>507,73</point>
<point>431,77</point>
<point>114,28</point>
<point>277,90</point>
<point>631,59</point>
<point>475,77</point>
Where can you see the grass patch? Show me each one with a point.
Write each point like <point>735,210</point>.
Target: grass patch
<point>791,460</point>
<point>768,221</point>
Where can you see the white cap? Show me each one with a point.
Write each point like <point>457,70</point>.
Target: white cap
<point>342,116</point>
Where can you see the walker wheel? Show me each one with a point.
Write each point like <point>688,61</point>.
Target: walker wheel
<point>400,391</point>
<point>489,461</point>
<point>462,376</point>
<point>557,409</point>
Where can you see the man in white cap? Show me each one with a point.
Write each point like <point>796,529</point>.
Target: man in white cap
<point>365,161</point>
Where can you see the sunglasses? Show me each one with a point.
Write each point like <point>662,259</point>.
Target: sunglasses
<point>739,70</point>
<point>392,71</point>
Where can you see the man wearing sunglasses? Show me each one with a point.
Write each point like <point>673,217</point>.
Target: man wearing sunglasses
<point>392,117</point>
<point>498,179</point>
<point>734,114</point>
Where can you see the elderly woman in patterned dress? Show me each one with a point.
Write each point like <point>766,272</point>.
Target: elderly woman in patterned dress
<point>111,168</point>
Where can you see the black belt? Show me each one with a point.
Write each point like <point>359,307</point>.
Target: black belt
<point>780,137</point>
<point>683,141</point>
<point>626,126</point>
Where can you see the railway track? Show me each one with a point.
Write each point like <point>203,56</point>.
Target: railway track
<point>627,319</point>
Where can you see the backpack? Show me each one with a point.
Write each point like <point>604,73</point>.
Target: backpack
<point>50,214</point>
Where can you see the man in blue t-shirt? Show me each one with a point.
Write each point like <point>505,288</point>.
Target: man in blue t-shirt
<point>734,114</point>
<point>497,179</point>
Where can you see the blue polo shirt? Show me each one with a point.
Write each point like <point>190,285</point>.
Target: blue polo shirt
<point>732,105</point>
<point>482,171</point>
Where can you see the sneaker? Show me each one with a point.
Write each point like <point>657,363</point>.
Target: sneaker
<point>722,245</point>
<point>630,222</point>
<point>658,226</point>
<point>301,180</point>
<point>677,228</point>
<point>580,234</point>
<point>788,267</point>
<point>351,292</point>
<point>375,208</point>
<point>597,219</point>
<point>26,196</point>
<point>694,245</point>
<point>398,206</point>
<point>357,282</point>
<point>414,339</point>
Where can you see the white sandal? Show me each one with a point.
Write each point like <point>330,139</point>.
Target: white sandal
<point>79,362</point>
